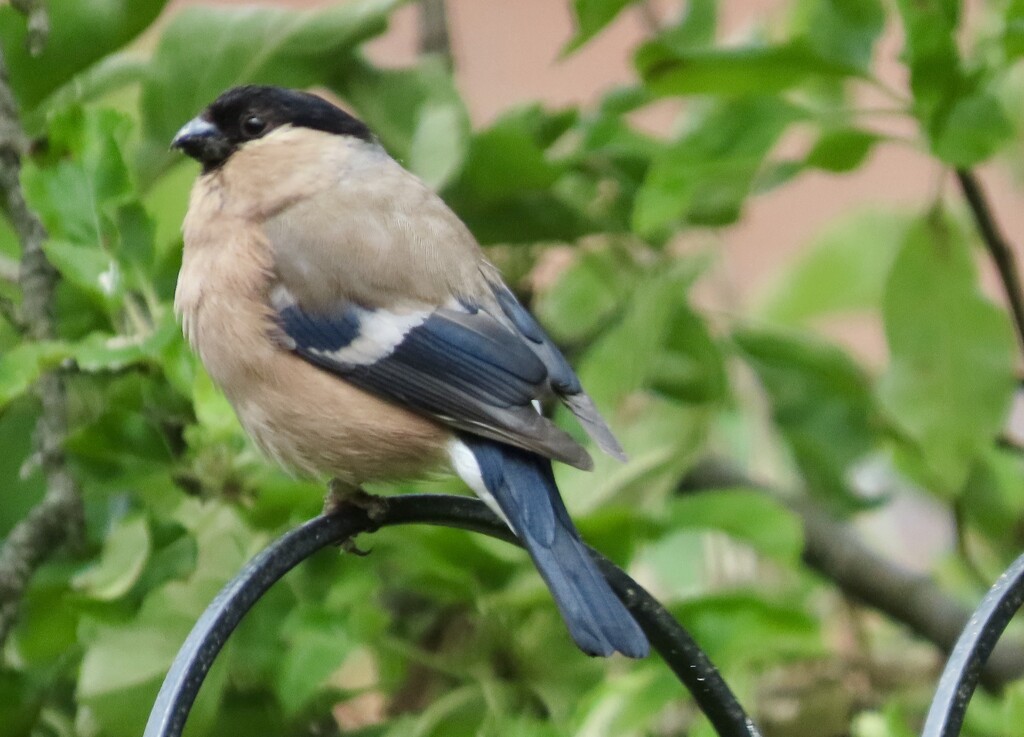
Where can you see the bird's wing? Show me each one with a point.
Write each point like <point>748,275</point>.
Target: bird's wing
<point>457,364</point>
<point>563,380</point>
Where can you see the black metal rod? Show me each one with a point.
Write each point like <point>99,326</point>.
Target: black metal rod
<point>679,651</point>
<point>960,677</point>
<point>367,514</point>
<point>211,631</point>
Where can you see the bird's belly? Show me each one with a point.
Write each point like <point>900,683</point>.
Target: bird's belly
<point>317,424</point>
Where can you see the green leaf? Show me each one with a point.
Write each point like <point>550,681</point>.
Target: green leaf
<point>122,658</point>
<point>690,367</point>
<point>706,175</point>
<point>747,515</point>
<point>587,294</point>
<point>1013,39</point>
<point>696,29</point>
<point>963,119</point>
<point>842,269</point>
<point>821,401</point>
<point>213,411</point>
<point>21,366</point>
<point>234,46</point>
<point>17,424</point>
<point>618,705</point>
<point>662,439</point>
<point>506,191</point>
<point>973,128</point>
<point>742,70</point>
<point>841,150</point>
<point>20,704</point>
<point>951,375</point>
<point>591,18</point>
<point>417,113</point>
<point>930,46</point>
<point>610,160</point>
<point>87,267</point>
<point>993,498</point>
<point>84,195</point>
<point>106,76</point>
<point>744,628</point>
<point>125,554</point>
<point>86,178</point>
<point>515,158</point>
<point>81,32</point>
<point>846,31</point>
<point>648,343</point>
<point>438,145</point>
<point>657,374</point>
<point>104,352</point>
<point>121,673</point>
<point>318,642</point>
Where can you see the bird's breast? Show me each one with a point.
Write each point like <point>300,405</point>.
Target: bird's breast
<point>307,419</point>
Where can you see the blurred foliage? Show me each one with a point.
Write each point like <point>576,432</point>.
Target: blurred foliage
<point>439,632</point>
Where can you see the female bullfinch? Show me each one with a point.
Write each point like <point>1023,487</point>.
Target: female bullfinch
<point>358,330</point>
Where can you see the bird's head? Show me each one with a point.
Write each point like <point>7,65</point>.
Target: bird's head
<point>249,113</point>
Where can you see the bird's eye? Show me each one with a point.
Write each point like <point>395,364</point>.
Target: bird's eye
<point>253,125</point>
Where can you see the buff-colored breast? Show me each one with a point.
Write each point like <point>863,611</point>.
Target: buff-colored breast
<point>303,417</point>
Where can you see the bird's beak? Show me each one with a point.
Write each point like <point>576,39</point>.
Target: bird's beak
<point>203,141</point>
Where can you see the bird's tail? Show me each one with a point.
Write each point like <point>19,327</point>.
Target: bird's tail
<point>521,486</point>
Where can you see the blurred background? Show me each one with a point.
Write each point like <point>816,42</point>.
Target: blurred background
<point>776,238</point>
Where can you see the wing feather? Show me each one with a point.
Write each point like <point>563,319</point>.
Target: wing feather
<point>465,369</point>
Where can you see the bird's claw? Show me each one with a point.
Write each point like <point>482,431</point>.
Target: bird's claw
<point>341,494</point>
<point>349,546</point>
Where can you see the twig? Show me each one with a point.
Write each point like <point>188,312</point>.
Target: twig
<point>998,247</point>
<point>649,17</point>
<point>9,269</point>
<point>835,551</point>
<point>9,312</point>
<point>434,36</point>
<point>963,547</point>
<point>38,23</point>
<point>58,518</point>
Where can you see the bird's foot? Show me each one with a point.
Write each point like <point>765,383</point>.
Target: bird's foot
<point>350,546</point>
<point>341,496</point>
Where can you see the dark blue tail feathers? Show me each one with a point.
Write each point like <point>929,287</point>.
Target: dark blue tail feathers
<point>524,488</point>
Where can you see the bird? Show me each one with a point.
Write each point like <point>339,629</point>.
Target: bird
<point>359,332</point>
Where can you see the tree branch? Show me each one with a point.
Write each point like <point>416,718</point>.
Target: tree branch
<point>38,23</point>
<point>10,270</point>
<point>434,37</point>
<point>58,518</point>
<point>998,247</point>
<point>649,17</point>
<point>835,551</point>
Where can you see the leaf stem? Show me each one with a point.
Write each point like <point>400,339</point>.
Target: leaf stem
<point>38,23</point>
<point>434,35</point>
<point>998,247</point>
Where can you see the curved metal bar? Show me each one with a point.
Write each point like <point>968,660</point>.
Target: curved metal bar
<point>960,677</point>
<point>679,651</point>
<point>212,629</point>
<point>367,514</point>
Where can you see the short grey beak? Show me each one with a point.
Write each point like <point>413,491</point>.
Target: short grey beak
<point>192,132</point>
<point>204,142</point>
